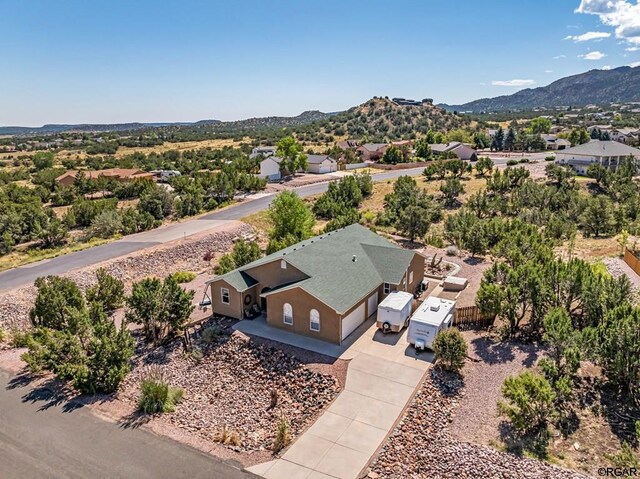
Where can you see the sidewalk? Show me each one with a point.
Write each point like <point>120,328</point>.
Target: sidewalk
<point>382,377</point>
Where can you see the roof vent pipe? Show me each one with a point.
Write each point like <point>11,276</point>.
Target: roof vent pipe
<point>354,258</point>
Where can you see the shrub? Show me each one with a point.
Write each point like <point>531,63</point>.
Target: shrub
<point>283,435</point>
<point>210,334</point>
<point>226,435</point>
<point>529,401</point>
<point>184,276</point>
<point>105,225</point>
<point>3,335</point>
<point>549,158</point>
<point>108,291</point>
<point>434,240</point>
<point>19,339</point>
<point>450,348</point>
<point>524,160</point>
<point>626,458</point>
<point>156,394</point>
<point>452,250</point>
<point>512,162</point>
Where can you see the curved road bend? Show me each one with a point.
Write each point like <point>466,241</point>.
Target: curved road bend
<point>27,274</point>
<point>40,438</point>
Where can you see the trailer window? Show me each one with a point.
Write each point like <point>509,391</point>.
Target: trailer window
<point>314,320</point>
<point>287,314</point>
<point>386,288</point>
<point>410,277</point>
<point>224,293</point>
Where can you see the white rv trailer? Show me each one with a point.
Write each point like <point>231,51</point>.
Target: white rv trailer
<point>432,316</point>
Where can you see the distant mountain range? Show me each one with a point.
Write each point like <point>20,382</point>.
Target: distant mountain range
<point>248,124</point>
<point>593,87</point>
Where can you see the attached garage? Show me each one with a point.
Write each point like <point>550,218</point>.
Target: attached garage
<point>353,320</point>
<point>372,304</point>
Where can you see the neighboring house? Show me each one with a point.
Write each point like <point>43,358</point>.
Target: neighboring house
<point>462,151</point>
<point>628,136</point>
<point>555,143</point>
<point>122,175</point>
<point>321,164</point>
<point>606,153</point>
<point>348,144</point>
<point>323,287</point>
<point>270,168</point>
<point>265,151</point>
<point>372,151</point>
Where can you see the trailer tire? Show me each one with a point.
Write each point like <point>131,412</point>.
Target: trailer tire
<point>386,327</point>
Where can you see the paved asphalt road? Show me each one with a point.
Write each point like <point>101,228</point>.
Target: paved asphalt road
<point>40,439</point>
<point>27,274</point>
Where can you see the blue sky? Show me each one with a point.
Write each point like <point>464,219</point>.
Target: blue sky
<point>119,61</point>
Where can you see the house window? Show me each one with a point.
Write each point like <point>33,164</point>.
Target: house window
<point>386,288</point>
<point>287,314</point>
<point>410,277</point>
<point>224,292</point>
<point>314,320</point>
<point>283,264</point>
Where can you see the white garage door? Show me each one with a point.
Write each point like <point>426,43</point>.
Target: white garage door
<point>352,321</point>
<point>325,169</point>
<point>372,305</point>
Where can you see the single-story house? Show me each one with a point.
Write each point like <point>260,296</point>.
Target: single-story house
<point>120,174</point>
<point>606,153</point>
<point>265,151</point>
<point>462,151</point>
<point>323,287</point>
<point>348,144</point>
<point>372,151</point>
<point>270,168</point>
<point>321,164</point>
<point>555,143</point>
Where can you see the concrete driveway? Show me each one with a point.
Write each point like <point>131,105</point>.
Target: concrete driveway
<point>383,374</point>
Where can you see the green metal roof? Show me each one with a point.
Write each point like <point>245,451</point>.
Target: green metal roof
<point>343,266</point>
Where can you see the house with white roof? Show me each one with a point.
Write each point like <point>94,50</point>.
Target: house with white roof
<point>606,153</point>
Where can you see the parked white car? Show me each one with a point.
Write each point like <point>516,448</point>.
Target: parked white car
<point>394,311</point>
<point>432,316</point>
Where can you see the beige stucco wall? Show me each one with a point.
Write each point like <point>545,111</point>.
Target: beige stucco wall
<point>271,274</point>
<point>234,308</point>
<point>302,303</point>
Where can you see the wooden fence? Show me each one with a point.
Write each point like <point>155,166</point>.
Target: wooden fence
<point>632,260</point>
<point>470,317</point>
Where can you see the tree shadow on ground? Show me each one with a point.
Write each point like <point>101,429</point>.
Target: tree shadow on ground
<point>53,393</point>
<point>473,260</point>
<point>134,420</point>
<point>534,443</point>
<point>449,383</point>
<point>499,352</point>
<point>619,411</point>
<point>21,380</point>
<point>568,423</point>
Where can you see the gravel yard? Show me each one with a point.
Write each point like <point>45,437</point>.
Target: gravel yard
<point>423,446</point>
<point>231,386</point>
<point>492,363</point>
<point>162,260</point>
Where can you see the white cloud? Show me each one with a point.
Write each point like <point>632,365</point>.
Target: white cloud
<point>558,57</point>
<point>633,49</point>
<point>606,67</point>
<point>585,37</point>
<point>515,82</point>
<point>548,71</point>
<point>622,15</point>
<point>634,64</point>
<point>596,55</point>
